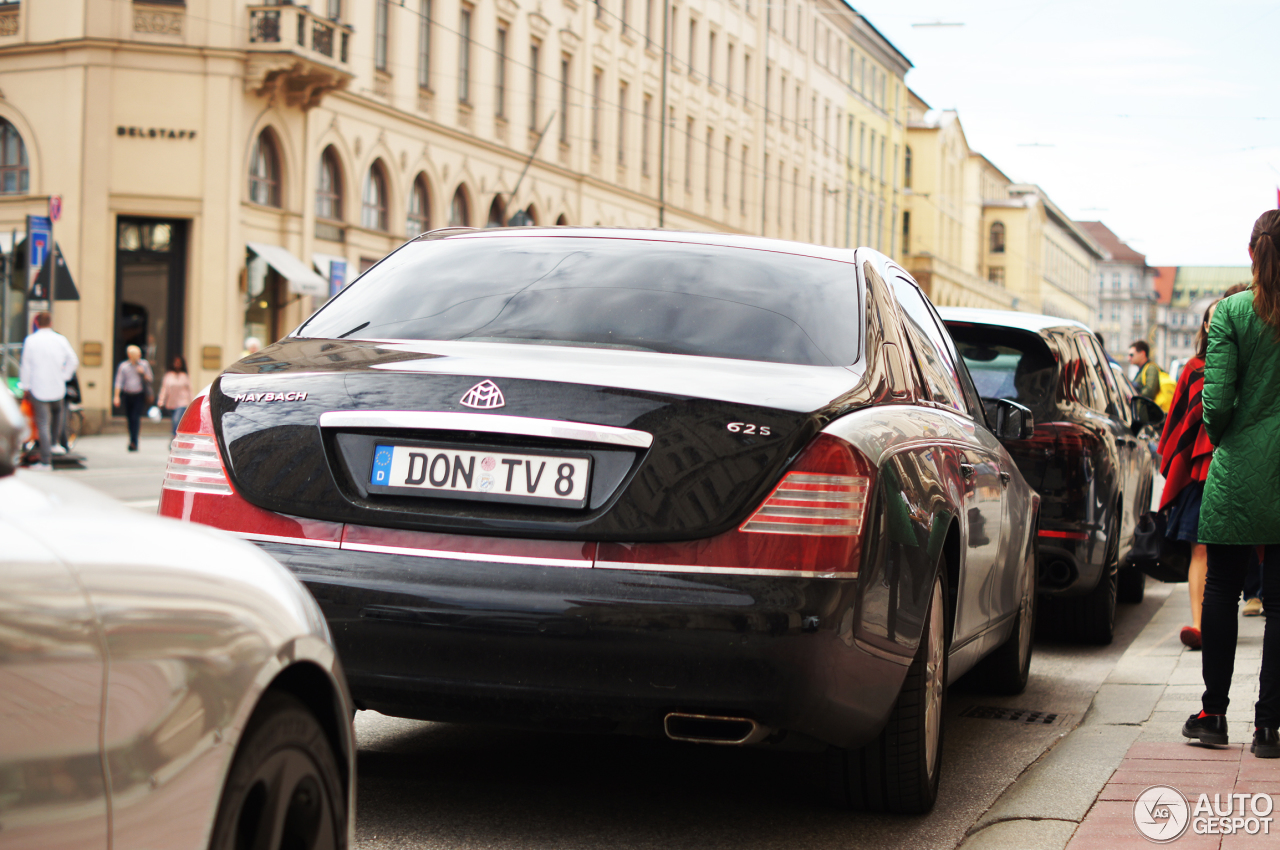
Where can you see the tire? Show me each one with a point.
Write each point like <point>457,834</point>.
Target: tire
<point>898,772</point>
<point>1007,669</point>
<point>1131,585</point>
<point>284,789</point>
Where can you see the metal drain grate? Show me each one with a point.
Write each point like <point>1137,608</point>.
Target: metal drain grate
<point>1018,715</point>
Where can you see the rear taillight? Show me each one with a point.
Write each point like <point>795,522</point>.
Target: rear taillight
<point>196,488</point>
<point>194,463</point>
<point>811,525</point>
<point>818,503</point>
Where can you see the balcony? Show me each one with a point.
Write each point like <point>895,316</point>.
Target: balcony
<point>296,54</point>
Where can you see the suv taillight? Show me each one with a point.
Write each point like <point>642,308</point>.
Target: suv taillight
<point>811,525</point>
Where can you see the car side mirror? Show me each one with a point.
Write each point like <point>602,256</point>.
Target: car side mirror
<point>1012,420</point>
<point>1145,412</point>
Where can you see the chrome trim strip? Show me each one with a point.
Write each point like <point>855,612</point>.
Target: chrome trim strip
<point>497,424</point>
<point>467,556</point>
<point>275,538</point>
<point>689,568</point>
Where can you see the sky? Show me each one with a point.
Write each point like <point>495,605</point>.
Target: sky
<point>1161,120</point>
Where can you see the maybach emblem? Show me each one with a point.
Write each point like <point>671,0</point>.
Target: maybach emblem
<point>269,397</point>
<point>484,396</point>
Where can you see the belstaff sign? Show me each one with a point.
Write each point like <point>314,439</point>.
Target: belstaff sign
<point>154,132</point>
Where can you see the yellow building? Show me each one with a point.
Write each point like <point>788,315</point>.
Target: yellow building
<point>225,165</point>
<point>974,238</point>
<point>875,130</point>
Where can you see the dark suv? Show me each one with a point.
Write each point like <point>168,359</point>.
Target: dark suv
<point>1092,470</point>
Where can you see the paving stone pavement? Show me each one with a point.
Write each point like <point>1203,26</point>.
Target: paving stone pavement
<point>1081,794</point>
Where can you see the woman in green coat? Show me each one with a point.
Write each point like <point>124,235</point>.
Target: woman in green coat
<point>1241,505</point>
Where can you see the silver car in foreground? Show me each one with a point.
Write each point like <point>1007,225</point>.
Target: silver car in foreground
<point>161,685</point>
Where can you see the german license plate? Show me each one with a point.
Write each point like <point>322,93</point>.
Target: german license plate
<point>560,480</point>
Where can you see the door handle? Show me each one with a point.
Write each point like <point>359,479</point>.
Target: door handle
<point>1004,478</point>
<point>967,470</point>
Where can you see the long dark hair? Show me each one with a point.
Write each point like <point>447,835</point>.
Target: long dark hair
<point>178,364</point>
<point>1264,242</point>
<point>1202,336</point>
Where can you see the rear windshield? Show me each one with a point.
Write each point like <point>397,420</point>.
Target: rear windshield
<point>596,292</point>
<point>1006,363</point>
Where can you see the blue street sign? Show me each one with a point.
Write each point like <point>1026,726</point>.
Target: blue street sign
<point>337,276</point>
<point>39,231</point>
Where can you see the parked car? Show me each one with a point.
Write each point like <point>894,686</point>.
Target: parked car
<point>676,484</point>
<point>1093,472</point>
<point>161,685</point>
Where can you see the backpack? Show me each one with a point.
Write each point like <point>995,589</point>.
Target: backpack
<point>1164,398</point>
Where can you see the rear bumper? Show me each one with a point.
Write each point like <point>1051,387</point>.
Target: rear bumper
<point>598,649</point>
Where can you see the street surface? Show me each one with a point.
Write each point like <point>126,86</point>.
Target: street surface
<point>434,785</point>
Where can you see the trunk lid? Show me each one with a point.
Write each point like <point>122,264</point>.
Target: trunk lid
<point>668,446</point>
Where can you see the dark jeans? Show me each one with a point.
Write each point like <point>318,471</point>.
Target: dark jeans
<point>134,404</point>
<point>1253,577</point>
<point>1220,624</point>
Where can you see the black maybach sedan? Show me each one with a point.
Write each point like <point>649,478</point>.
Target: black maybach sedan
<point>727,489</point>
<point>1086,457</point>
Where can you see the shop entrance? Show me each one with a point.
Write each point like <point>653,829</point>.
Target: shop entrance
<point>151,285</point>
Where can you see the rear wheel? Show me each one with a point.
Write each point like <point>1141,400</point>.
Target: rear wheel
<point>284,789</point>
<point>898,772</point>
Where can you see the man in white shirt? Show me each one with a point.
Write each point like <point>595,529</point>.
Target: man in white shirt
<point>48,362</point>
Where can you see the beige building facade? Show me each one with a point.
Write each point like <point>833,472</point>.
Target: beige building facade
<point>224,166</point>
<point>974,238</point>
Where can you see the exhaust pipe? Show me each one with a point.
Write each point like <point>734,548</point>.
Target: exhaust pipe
<point>1058,574</point>
<point>713,729</point>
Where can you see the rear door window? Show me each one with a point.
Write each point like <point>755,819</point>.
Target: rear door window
<point>606,292</point>
<point>939,371</point>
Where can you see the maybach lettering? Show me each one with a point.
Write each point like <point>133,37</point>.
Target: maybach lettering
<point>269,397</point>
<point>1232,813</point>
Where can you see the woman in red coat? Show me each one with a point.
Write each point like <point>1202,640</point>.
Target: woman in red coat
<point>1185,452</point>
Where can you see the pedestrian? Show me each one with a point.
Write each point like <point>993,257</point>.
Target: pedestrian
<point>1253,573</point>
<point>48,362</point>
<point>1147,381</point>
<point>133,392</point>
<point>1185,452</point>
<point>1242,418</point>
<point>175,390</point>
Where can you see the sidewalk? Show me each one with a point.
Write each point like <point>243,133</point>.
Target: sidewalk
<point>1081,794</point>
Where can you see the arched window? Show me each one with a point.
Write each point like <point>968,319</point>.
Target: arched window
<point>562,221</point>
<point>419,219</point>
<point>497,213</point>
<point>532,212</point>
<point>460,210</point>
<point>997,238</point>
<point>329,187</point>
<point>906,168</point>
<point>13,161</point>
<point>264,171</point>
<point>373,206</point>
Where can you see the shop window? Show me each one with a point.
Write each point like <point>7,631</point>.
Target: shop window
<point>13,161</point>
<point>459,209</point>
<point>264,171</point>
<point>373,207</point>
<point>329,187</point>
<point>997,237</point>
<point>419,219</point>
